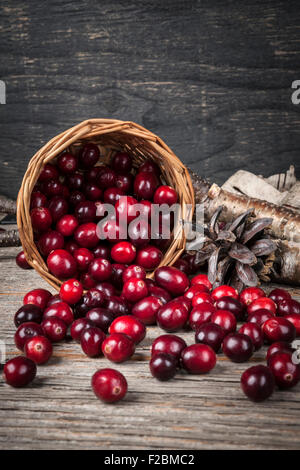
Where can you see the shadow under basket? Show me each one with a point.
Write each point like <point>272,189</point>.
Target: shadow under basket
<point>110,135</point>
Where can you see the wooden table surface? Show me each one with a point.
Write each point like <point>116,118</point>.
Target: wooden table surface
<point>60,411</point>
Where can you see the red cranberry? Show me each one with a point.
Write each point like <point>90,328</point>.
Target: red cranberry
<point>193,290</point>
<point>53,188</point>
<point>201,279</point>
<point>139,233</point>
<point>225,319</point>
<point>54,328</point>
<point>198,358</point>
<point>257,383</point>
<point>144,185</point>
<point>118,347</point>
<point>55,299</point>
<point>224,291</point>
<point>58,207</point>
<point>71,247</point>
<point>168,344</point>
<point>171,279</point>
<point>83,258</point>
<point>91,175</point>
<point>248,295</point>
<point>134,290</point>
<point>125,208</point>
<point>117,305</point>
<point>75,181</point>
<point>288,307</point>
<point>89,155</point>
<point>210,334</point>
<point>110,231</point>
<point>50,241</point>
<point>112,195</point>
<point>255,334</point>
<point>185,302</point>
<point>76,197</point>
<point>38,199</point>
<point>200,298</point>
<point>123,252</point>
<point>117,275</point>
<point>91,341</point>
<point>201,314</point>
<point>163,366</point>
<point>86,235</point>
<point>133,271</point>
<point>71,291</point>
<point>100,317</point>
<point>102,251</point>
<point>21,261</point>
<point>19,371</point>
<point>279,294</point>
<point>146,310</point>
<point>107,178</point>
<point>260,316</point>
<point>149,257</point>
<point>61,264</point>
<point>78,326</point>
<point>41,219</point>
<point>285,371</point>
<point>165,195</point>
<point>233,305</point>
<point>107,288</point>
<point>28,313</point>
<point>281,347</point>
<point>294,318</point>
<point>48,172</point>
<point>172,316</point>
<point>38,297</point>
<point>26,331</point>
<point>67,163</point>
<point>60,310</point>
<point>38,349</point>
<point>67,225</point>
<point>87,281</point>
<point>129,326</point>
<point>262,303</point>
<point>122,162</point>
<point>191,262</point>
<point>149,167</point>
<point>85,212</point>
<point>93,192</point>
<point>182,265</point>
<point>278,329</point>
<point>109,385</point>
<point>100,269</point>
<point>238,347</point>
<point>124,182</point>
<point>159,292</point>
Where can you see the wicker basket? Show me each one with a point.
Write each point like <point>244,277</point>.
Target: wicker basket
<point>110,135</point>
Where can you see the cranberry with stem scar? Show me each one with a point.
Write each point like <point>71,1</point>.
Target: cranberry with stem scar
<point>285,371</point>
<point>118,347</point>
<point>19,371</point>
<point>129,326</point>
<point>248,295</point>
<point>135,271</point>
<point>26,331</point>
<point>54,328</point>
<point>124,182</point>
<point>100,269</point>
<point>67,163</point>
<point>109,385</point>
<point>38,349</point>
<point>134,290</point>
<point>71,291</point>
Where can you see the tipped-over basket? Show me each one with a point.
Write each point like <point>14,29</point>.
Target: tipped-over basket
<point>110,135</point>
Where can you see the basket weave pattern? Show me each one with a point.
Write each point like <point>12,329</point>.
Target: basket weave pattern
<point>110,135</point>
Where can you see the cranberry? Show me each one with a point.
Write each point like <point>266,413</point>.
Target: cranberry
<point>224,291</point>
<point>149,167</point>
<point>75,181</point>
<point>117,305</point>
<point>53,188</point>
<point>144,185</point>
<point>58,207</point>
<point>60,310</point>
<point>89,155</point>
<point>48,172</point>
<point>109,385</point>
<point>83,258</point>
<point>28,313</point>
<point>76,197</point>
<point>38,199</point>
<point>92,174</point>
<point>118,347</point>
<point>110,231</point>
<point>168,344</point>
<point>117,275</point>
<point>123,252</point>
<point>38,297</point>
<point>55,299</point>
<point>225,319</point>
<point>262,303</point>
<point>193,290</point>
<point>38,349</point>
<point>146,310</point>
<point>159,292</point>
<point>78,326</point>
<point>86,235</point>
<point>134,290</point>
<point>211,335</point>
<point>260,316</point>
<point>201,279</point>
<point>198,358</point>
<point>139,233</point>
<point>248,295</point>
<point>278,329</point>
<point>294,318</point>
<point>71,247</point>
<point>165,195</point>
<point>279,294</point>
<point>182,265</point>
<point>163,366</point>
<point>50,241</point>
<point>125,209</point>
<point>61,264</point>
<point>81,309</point>
<point>87,281</point>
<point>149,257</point>
<point>122,162</point>
<point>172,316</point>
<point>94,298</point>
<point>171,279</point>
<point>112,195</point>
<point>257,383</point>
<point>41,219</point>
<point>233,305</point>
<point>201,314</point>
<point>281,347</point>
<point>124,182</point>
<point>285,371</point>
<point>107,288</point>
<point>21,261</point>
<point>67,163</point>
<point>288,307</point>
<point>106,178</point>
<point>129,326</point>
<point>100,317</point>
<point>67,225</point>
<point>185,302</point>
<point>54,328</point>
<point>102,250</point>
<point>25,331</point>
<point>200,298</point>
<point>238,347</point>
<point>85,212</point>
<point>93,192</point>
<point>191,262</point>
<point>19,371</point>
<point>100,269</point>
<point>71,291</point>
<point>133,271</point>
<point>255,334</point>
<point>91,341</point>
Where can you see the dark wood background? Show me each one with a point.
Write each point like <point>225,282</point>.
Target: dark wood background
<point>212,78</point>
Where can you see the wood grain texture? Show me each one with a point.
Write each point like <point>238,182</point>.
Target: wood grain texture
<point>212,78</point>
<point>59,410</point>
